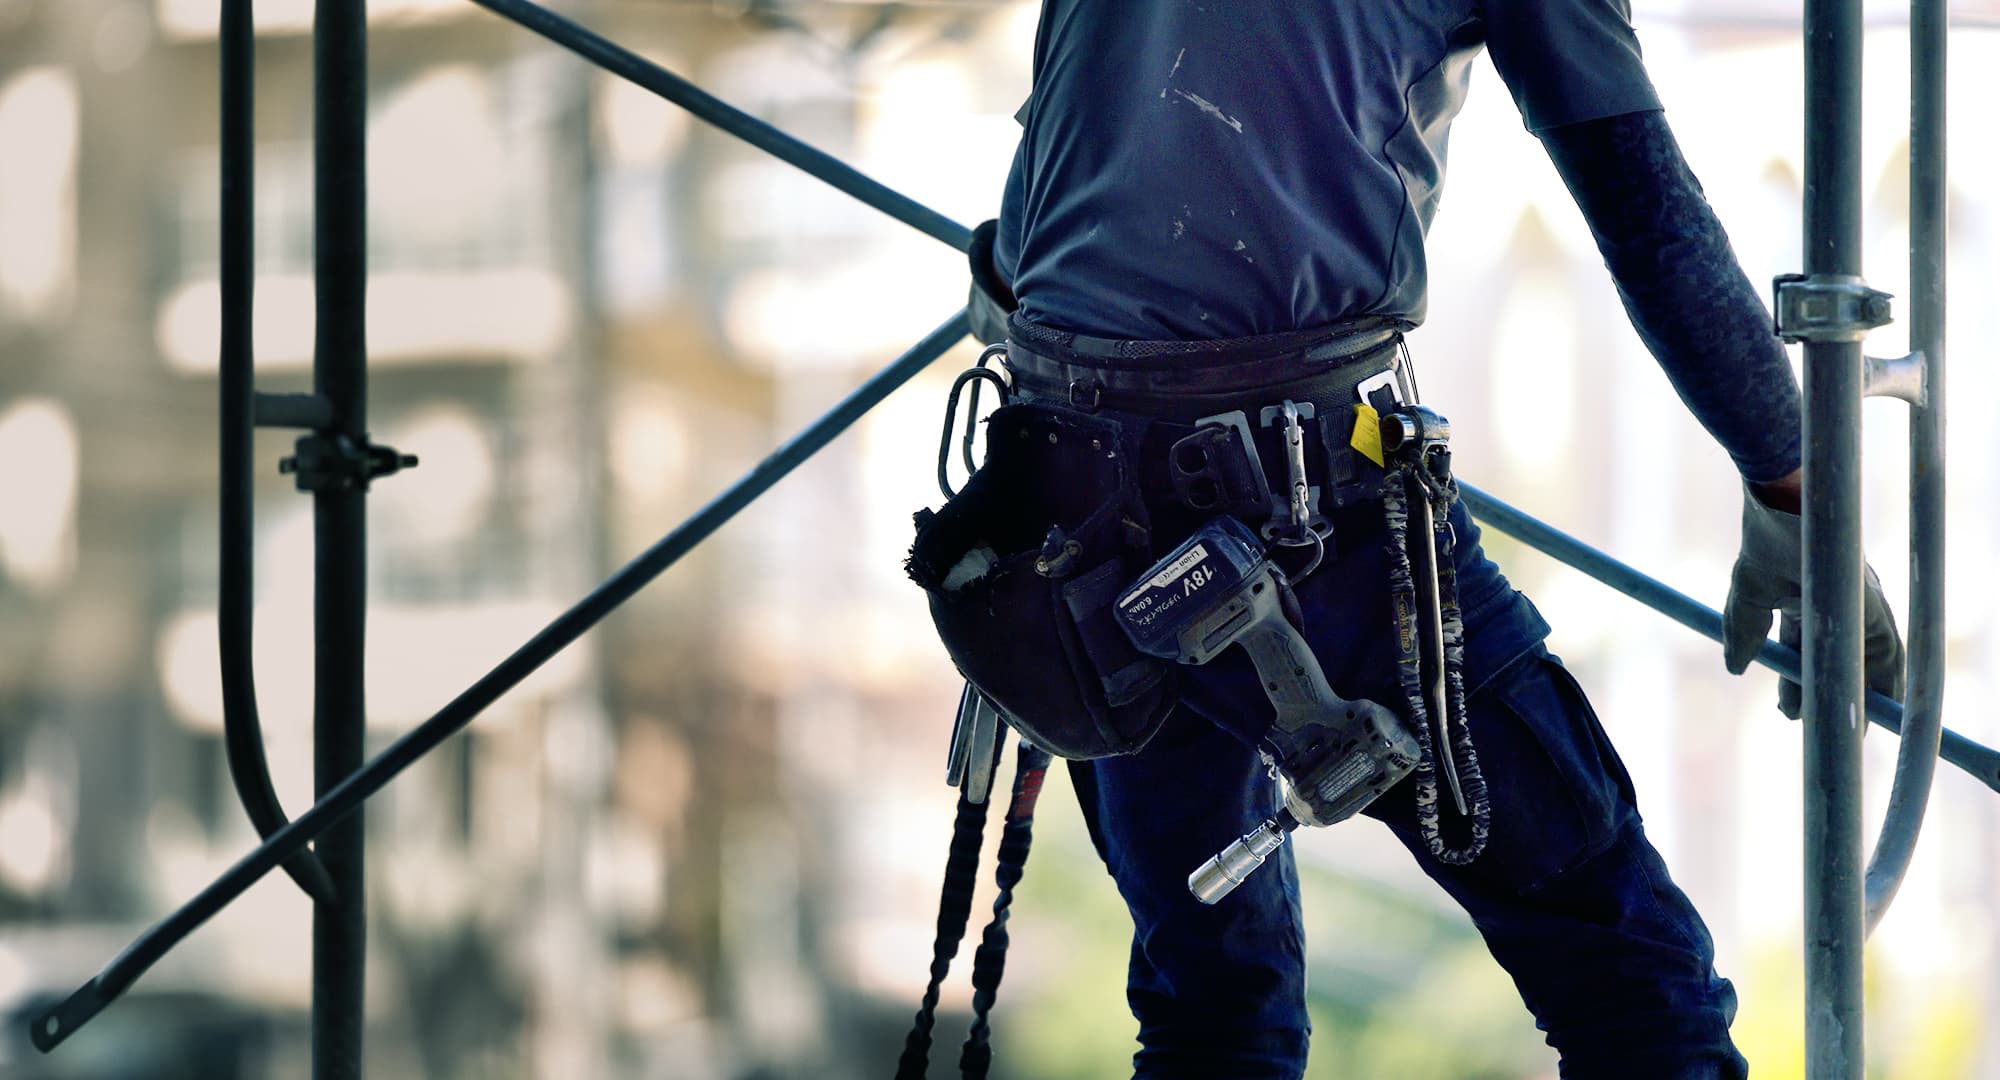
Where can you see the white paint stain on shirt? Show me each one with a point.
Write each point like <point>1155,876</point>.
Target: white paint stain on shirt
<point>1210,108</point>
<point>1178,57</point>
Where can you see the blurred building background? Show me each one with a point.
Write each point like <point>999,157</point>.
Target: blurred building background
<point>706,842</point>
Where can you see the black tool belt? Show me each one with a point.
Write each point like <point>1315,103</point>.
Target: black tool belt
<point>1216,438</point>
<point>1022,564</point>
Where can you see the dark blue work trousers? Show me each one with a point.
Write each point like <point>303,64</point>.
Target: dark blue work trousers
<point>1572,900</point>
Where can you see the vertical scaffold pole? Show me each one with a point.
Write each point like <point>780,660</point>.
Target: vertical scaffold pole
<point>1833,619</point>
<point>340,579</point>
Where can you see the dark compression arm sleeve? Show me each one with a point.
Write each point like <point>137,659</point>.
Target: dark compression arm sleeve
<point>1685,292</point>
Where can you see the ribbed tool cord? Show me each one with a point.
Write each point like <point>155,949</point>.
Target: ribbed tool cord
<point>961,877</point>
<point>990,959</point>
<point>1402,584</point>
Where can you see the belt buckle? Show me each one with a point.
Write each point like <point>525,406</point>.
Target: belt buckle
<point>1090,387</point>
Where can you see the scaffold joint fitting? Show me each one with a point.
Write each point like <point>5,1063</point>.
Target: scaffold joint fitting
<point>339,463</point>
<point>1827,307</point>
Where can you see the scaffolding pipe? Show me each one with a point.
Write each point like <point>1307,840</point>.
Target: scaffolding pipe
<point>340,520</point>
<point>242,735</point>
<point>1834,917</point>
<point>1980,762</point>
<point>1924,699</point>
<point>634,68</point>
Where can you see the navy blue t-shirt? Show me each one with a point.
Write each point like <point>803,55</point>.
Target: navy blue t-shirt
<point>1195,169</point>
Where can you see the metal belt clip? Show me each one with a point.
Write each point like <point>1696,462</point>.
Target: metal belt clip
<point>1365,389</point>
<point>1218,470</point>
<point>1295,466</point>
<point>1297,509</point>
<point>974,375</point>
<point>1422,436</point>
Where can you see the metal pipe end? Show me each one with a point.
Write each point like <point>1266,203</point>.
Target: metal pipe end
<point>48,1030</point>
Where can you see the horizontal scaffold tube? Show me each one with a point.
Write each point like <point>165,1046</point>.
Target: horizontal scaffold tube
<point>1983,762</point>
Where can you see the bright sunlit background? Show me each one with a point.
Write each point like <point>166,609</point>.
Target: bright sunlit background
<point>706,842</point>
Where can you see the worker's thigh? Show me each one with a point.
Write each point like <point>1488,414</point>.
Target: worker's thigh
<point>1571,898</point>
<point>1218,990</point>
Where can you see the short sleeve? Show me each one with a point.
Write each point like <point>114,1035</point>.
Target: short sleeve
<point>1567,61</point>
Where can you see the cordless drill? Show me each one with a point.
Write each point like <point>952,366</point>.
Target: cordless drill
<point>1217,589</point>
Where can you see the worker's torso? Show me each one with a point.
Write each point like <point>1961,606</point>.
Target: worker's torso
<point>1224,168</point>
<point>1197,169</point>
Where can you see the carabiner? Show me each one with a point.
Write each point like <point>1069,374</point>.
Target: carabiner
<point>974,375</point>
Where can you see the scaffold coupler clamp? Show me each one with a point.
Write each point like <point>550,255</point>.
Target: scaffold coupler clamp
<point>1841,308</point>
<point>335,462</point>
<point>1827,307</point>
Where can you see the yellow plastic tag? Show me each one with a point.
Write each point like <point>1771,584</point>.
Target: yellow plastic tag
<point>1368,433</point>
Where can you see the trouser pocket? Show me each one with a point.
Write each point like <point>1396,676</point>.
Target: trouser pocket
<point>1560,792</point>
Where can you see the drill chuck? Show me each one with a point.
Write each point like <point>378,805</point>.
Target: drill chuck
<point>1219,876</point>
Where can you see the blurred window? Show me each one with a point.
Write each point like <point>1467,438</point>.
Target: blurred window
<point>195,20</point>
<point>638,138</point>
<point>457,171</point>
<point>38,500</point>
<point>461,219</point>
<point>768,210</point>
<point>38,129</point>
<point>454,182</point>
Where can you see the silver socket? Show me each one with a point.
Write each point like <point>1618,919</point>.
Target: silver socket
<point>1219,876</point>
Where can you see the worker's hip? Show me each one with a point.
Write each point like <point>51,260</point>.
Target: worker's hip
<point>1159,392</point>
<point>1108,454</point>
<point>1208,423</point>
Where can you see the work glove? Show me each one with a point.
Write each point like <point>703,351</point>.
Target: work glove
<point>990,299</point>
<point>1770,575</point>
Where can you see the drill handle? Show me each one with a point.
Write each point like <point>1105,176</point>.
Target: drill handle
<point>1291,674</point>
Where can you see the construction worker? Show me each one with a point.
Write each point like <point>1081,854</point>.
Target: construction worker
<point>1222,205</point>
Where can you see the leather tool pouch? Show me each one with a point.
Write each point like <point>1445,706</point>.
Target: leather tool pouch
<point>1022,567</point>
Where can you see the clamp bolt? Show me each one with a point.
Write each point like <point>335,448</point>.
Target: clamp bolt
<point>338,463</point>
<point>1827,307</point>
